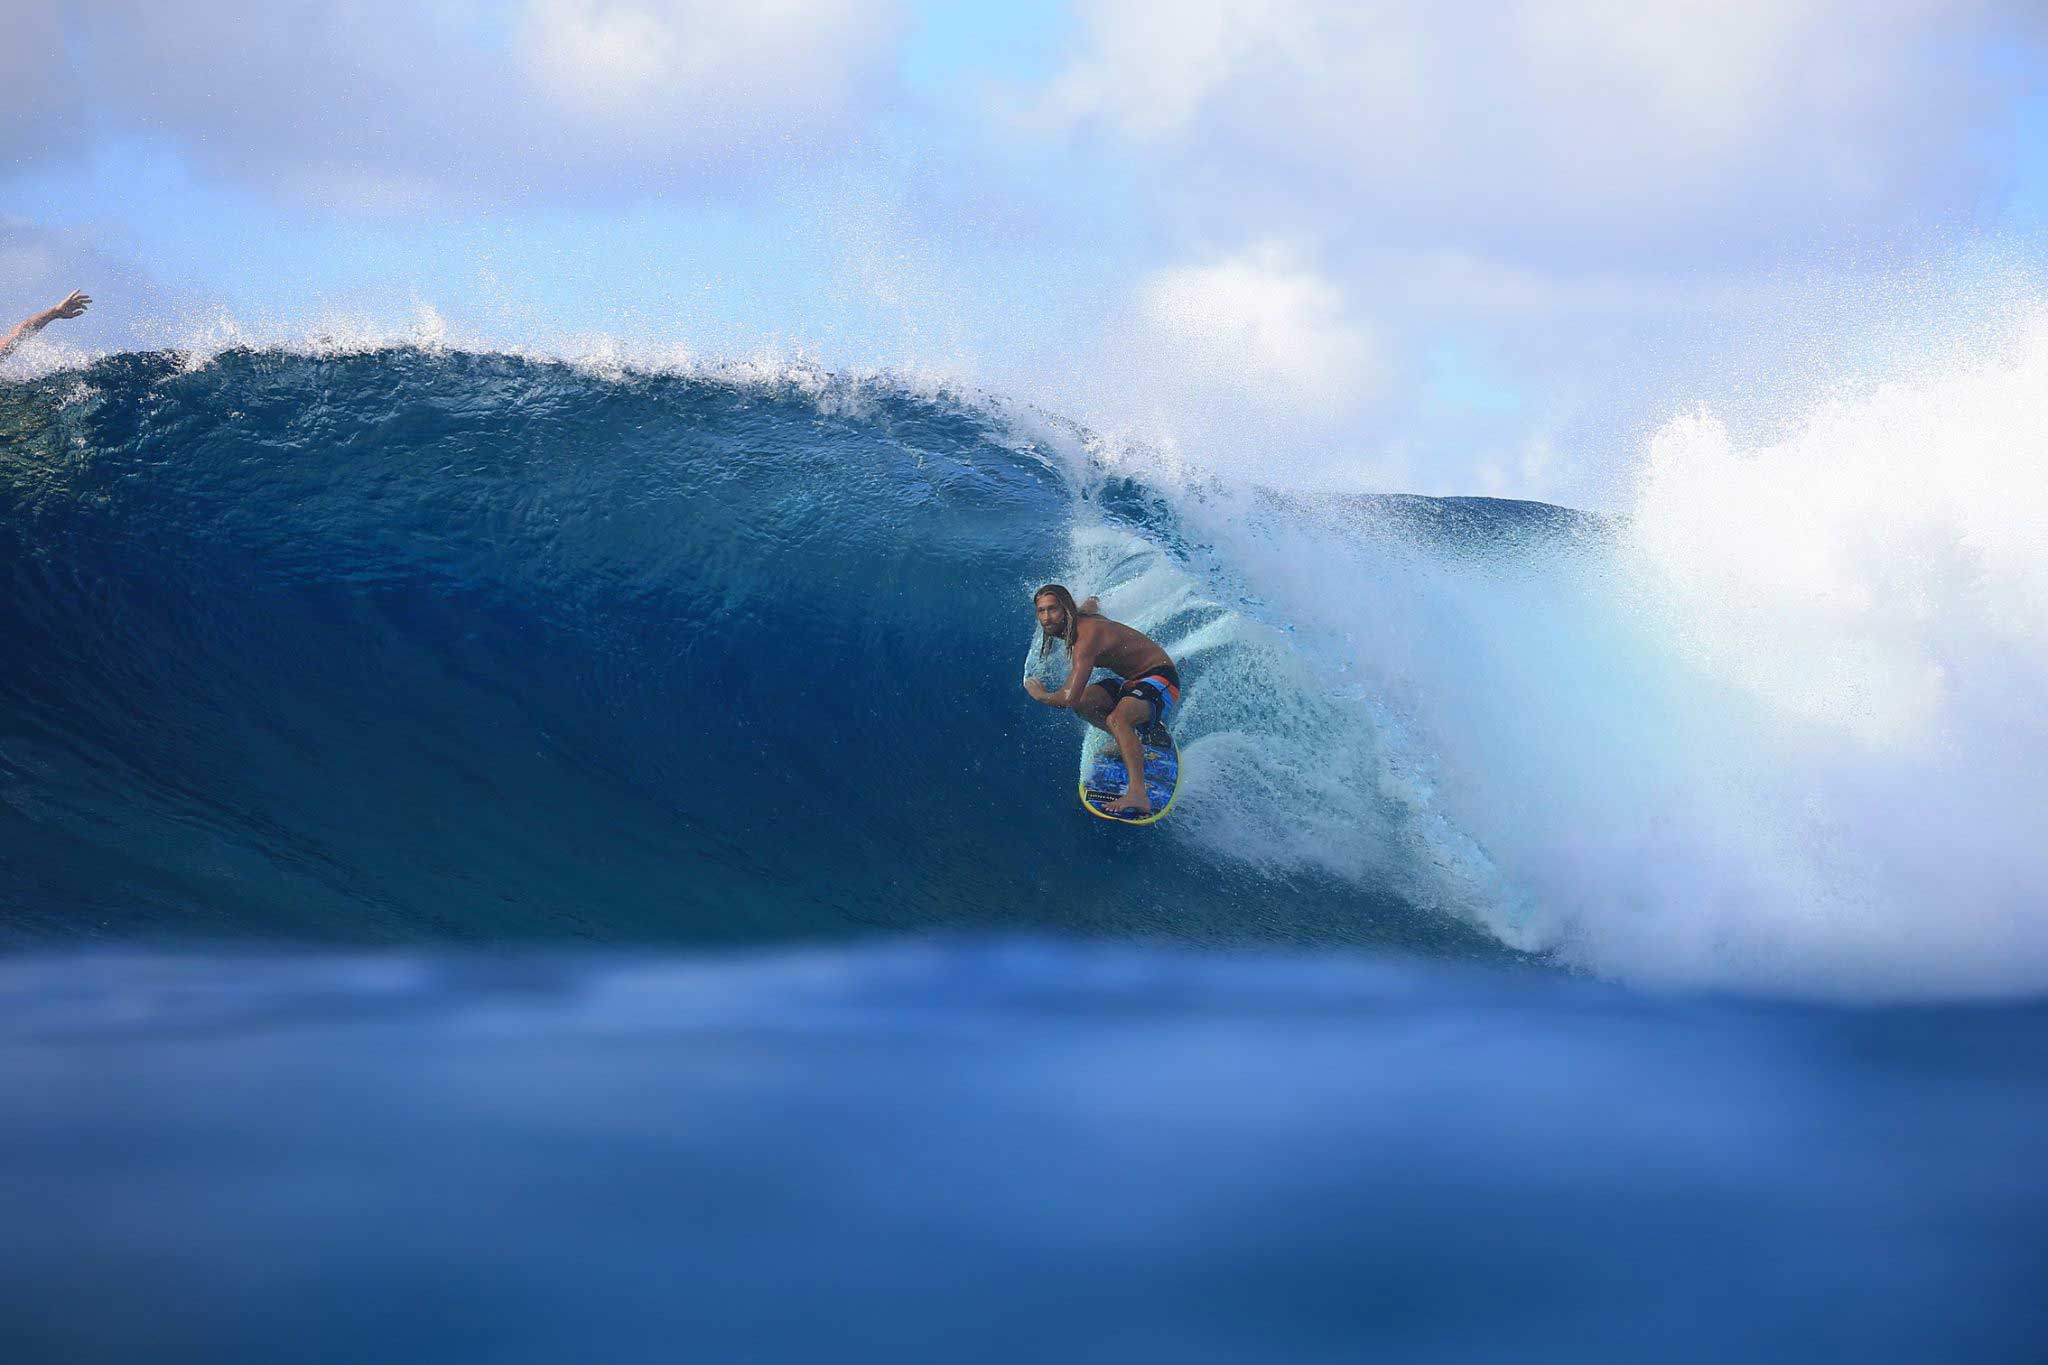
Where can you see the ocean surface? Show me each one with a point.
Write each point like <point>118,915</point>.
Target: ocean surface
<point>503,859</point>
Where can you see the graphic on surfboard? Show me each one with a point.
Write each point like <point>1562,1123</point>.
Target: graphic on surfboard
<point>1105,778</point>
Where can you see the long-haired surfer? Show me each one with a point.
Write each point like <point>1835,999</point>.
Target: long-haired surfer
<point>1146,690</point>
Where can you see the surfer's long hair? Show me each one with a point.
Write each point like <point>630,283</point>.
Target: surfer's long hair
<point>1066,600</point>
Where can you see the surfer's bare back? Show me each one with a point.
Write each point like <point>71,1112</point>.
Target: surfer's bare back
<point>1146,688</point>
<point>74,303</point>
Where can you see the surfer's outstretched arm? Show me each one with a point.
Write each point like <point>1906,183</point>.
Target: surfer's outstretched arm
<point>74,304</point>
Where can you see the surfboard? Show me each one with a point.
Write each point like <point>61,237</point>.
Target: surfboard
<point>1104,779</point>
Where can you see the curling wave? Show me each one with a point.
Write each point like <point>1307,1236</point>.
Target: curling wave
<point>410,643</point>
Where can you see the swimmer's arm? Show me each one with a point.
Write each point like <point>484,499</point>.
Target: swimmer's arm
<point>74,304</point>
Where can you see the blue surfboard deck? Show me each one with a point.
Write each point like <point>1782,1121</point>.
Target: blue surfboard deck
<point>1104,780</point>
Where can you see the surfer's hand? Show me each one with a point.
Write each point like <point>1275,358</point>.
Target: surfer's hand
<point>75,302</point>
<point>1035,688</point>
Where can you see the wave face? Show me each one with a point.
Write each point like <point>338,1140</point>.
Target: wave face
<point>409,645</point>
<point>414,644</point>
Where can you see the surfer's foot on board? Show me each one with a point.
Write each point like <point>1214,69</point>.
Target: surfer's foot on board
<point>1133,802</point>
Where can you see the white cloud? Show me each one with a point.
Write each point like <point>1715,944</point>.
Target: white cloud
<point>1625,207</point>
<point>391,106</point>
<point>1148,77</point>
<point>1598,122</point>
<point>1251,364</point>
<point>604,58</point>
<point>681,61</point>
<point>1262,325</point>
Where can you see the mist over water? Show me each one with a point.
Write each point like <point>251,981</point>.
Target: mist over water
<point>1775,725</point>
<point>1875,584</point>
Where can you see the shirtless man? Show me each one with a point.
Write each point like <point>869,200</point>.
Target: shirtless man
<point>74,304</point>
<point>1146,688</point>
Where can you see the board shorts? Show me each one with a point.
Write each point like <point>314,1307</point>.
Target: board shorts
<point>1157,687</point>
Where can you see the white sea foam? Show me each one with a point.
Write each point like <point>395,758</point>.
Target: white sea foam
<point>1782,729</point>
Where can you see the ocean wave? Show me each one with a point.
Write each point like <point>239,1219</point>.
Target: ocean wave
<point>343,639</point>
<point>411,643</point>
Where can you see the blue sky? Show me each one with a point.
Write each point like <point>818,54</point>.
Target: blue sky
<point>1439,248</point>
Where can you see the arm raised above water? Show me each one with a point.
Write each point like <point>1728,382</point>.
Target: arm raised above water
<point>74,303</point>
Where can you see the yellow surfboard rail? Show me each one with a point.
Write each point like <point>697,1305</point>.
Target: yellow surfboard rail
<point>1155,817</point>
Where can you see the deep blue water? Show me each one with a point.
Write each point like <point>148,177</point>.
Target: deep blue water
<point>503,863</point>
<point>1023,1150</point>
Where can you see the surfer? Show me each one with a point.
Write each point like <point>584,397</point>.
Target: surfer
<point>74,304</point>
<point>1145,691</point>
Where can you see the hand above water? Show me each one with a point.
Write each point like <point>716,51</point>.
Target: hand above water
<point>76,302</point>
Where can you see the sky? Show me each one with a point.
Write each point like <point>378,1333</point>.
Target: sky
<point>1402,246</point>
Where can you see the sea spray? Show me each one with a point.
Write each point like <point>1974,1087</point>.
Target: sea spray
<point>1776,726</point>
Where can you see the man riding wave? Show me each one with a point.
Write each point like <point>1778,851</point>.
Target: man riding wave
<point>1146,690</point>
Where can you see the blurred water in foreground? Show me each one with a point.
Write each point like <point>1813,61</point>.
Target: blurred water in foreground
<point>999,1149</point>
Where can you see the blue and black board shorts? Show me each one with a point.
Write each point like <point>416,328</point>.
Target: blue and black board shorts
<point>1157,687</point>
